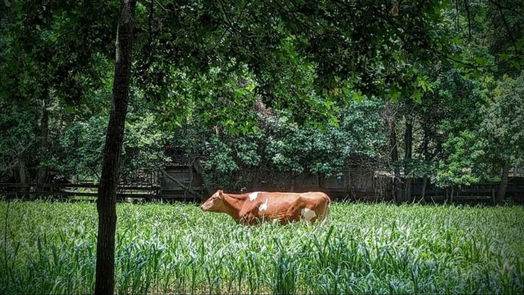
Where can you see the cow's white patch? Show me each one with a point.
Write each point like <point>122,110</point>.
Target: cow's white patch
<point>253,196</point>
<point>308,214</point>
<point>264,205</point>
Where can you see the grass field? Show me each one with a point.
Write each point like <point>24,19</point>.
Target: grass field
<point>382,248</point>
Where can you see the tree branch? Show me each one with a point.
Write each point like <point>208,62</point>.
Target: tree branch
<point>506,25</point>
<point>521,13</point>
<point>466,6</point>
<point>464,63</point>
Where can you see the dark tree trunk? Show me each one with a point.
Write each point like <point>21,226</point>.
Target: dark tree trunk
<point>408,149</point>
<point>427,159</point>
<point>43,126</point>
<point>22,174</point>
<point>22,171</point>
<point>424,186</point>
<point>106,203</point>
<point>501,192</point>
<point>394,158</point>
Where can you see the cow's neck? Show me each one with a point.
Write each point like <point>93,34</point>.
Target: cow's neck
<point>233,205</point>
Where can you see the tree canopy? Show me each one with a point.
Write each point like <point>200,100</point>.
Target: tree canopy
<point>206,65</point>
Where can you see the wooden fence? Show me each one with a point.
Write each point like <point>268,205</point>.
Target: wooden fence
<point>484,192</point>
<point>356,183</point>
<point>78,191</point>
<point>182,183</point>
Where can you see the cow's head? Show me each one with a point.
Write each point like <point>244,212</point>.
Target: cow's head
<point>215,203</point>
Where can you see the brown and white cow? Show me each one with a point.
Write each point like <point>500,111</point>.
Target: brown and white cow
<point>250,208</point>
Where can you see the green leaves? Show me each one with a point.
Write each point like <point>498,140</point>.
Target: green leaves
<point>208,64</point>
<point>221,157</point>
<point>503,122</point>
<point>282,145</point>
<point>81,144</point>
<point>478,151</point>
<point>462,165</point>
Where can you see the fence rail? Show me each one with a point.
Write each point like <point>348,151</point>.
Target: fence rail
<point>70,191</point>
<point>352,185</point>
<point>476,192</point>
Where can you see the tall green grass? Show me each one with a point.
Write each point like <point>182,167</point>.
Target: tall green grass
<point>49,248</point>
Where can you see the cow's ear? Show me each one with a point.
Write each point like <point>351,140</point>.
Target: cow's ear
<point>220,194</point>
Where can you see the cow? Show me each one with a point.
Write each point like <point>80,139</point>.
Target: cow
<point>251,208</point>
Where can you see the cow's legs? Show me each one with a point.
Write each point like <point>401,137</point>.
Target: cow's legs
<point>249,219</point>
<point>324,211</point>
<point>309,215</point>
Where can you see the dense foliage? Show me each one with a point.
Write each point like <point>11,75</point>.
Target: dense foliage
<point>279,144</point>
<point>425,89</point>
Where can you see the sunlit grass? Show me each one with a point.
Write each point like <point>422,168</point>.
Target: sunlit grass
<point>363,248</point>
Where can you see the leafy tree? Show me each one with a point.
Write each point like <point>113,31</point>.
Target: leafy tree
<point>50,53</point>
<point>460,167</point>
<point>17,141</point>
<point>502,129</point>
<point>279,144</point>
<point>486,46</point>
<point>486,150</point>
<point>448,116</point>
<point>79,151</point>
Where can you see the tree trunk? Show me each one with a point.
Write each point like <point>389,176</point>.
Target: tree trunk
<point>427,159</point>
<point>408,149</point>
<point>43,126</point>
<point>22,175</point>
<point>501,192</point>
<point>424,186</point>
<point>22,171</point>
<point>106,203</point>
<point>394,157</point>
